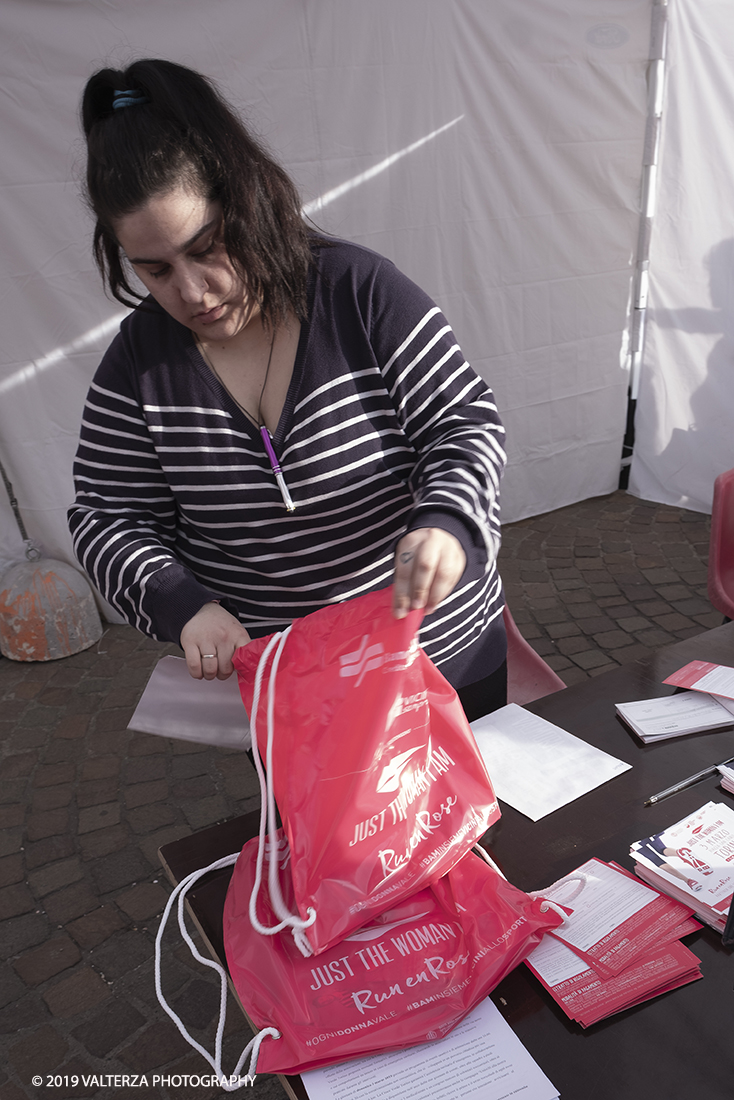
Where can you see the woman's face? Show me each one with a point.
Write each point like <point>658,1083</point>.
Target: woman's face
<point>175,246</point>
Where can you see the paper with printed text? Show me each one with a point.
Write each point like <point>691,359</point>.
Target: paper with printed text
<point>481,1059</point>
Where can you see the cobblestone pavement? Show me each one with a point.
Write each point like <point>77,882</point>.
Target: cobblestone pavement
<point>85,803</point>
<point>603,582</point>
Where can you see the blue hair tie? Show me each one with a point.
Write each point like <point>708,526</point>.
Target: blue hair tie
<point>128,99</point>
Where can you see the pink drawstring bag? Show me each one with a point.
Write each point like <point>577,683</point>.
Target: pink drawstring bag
<point>378,779</point>
<point>407,977</point>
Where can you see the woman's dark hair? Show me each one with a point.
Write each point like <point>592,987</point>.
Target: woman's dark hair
<point>185,133</point>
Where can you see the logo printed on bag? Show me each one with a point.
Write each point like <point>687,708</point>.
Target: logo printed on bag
<point>426,823</point>
<point>390,778</point>
<point>415,939</point>
<point>362,660</point>
<point>409,782</point>
<point>370,657</point>
<point>436,968</point>
<point>415,783</point>
<point>373,931</point>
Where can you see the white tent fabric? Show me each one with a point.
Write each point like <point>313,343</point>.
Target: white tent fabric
<point>492,150</point>
<point>685,410</point>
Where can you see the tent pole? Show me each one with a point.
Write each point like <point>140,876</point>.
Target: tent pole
<point>650,160</point>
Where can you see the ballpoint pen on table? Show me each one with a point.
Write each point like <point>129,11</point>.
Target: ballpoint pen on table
<point>685,783</point>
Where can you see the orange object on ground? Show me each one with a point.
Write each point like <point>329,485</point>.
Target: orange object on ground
<point>47,611</point>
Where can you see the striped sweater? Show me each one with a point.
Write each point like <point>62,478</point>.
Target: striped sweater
<point>385,429</point>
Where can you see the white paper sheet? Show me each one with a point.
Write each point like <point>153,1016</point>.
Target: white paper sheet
<point>719,681</point>
<point>481,1059</point>
<point>176,705</point>
<point>536,766</point>
<point>722,700</point>
<point>607,900</point>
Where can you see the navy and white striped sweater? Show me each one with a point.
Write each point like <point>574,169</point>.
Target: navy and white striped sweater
<point>385,429</point>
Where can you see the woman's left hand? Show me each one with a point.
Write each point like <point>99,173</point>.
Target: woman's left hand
<point>209,640</point>
<point>428,564</point>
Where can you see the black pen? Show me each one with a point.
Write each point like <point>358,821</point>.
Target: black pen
<point>685,783</point>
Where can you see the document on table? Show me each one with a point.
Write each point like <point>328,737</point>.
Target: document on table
<point>615,917</point>
<point>176,705</point>
<point>675,715</point>
<point>704,676</point>
<point>481,1059</point>
<point>617,948</point>
<point>536,766</point>
<point>585,996</point>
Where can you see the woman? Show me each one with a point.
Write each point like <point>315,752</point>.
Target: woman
<point>286,421</point>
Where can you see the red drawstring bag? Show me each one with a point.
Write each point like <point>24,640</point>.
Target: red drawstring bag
<point>407,977</point>
<point>379,782</point>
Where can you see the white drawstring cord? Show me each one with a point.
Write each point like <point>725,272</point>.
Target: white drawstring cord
<point>578,876</point>
<point>253,1046</point>
<point>546,905</point>
<point>480,851</point>
<point>261,928</point>
<point>267,810</point>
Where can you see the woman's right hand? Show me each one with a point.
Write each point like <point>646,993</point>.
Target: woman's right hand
<point>209,640</point>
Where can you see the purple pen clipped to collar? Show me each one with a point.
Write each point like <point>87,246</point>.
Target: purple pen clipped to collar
<point>268,441</point>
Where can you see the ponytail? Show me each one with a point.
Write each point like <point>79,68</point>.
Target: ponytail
<point>156,126</point>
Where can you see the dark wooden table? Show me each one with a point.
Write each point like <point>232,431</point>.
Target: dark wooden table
<point>679,1046</point>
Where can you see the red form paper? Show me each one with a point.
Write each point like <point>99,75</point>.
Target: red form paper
<point>688,921</point>
<point>615,918</point>
<point>586,997</point>
<point>684,929</point>
<point>665,969</point>
<point>703,676</point>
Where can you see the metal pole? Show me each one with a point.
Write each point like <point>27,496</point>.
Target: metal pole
<point>650,161</point>
<point>32,552</point>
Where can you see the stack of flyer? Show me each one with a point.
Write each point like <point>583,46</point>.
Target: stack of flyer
<point>693,861</point>
<point>619,946</point>
<point>727,777</point>
<point>675,715</point>
<point>714,682</point>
